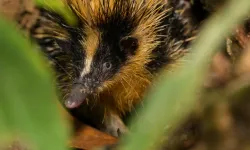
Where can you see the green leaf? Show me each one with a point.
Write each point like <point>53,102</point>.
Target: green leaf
<point>60,7</point>
<point>28,103</point>
<point>174,97</point>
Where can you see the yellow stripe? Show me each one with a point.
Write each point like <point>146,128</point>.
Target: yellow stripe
<point>90,46</point>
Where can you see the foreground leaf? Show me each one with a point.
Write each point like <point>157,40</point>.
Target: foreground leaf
<point>59,7</point>
<point>27,98</point>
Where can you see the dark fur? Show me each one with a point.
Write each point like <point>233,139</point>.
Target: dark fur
<point>114,27</point>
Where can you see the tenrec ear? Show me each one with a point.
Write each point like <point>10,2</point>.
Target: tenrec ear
<point>129,44</point>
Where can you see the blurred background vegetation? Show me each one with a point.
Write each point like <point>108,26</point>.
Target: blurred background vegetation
<point>29,106</point>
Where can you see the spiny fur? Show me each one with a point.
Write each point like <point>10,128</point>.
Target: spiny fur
<point>56,40</point>
<point>161,35</point>
<point>146,17</point>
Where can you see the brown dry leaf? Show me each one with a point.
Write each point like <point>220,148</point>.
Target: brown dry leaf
<point>88,138</point>
<point>242,37</point>
<point>243,65</point>
<point>12,9</point>
<point>219,73</point>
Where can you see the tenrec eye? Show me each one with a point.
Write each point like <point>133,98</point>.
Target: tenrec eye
<point>107,65</point>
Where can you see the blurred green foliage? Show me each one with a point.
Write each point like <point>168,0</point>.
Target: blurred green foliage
<point>27,96</point>
<point>59,7</point>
